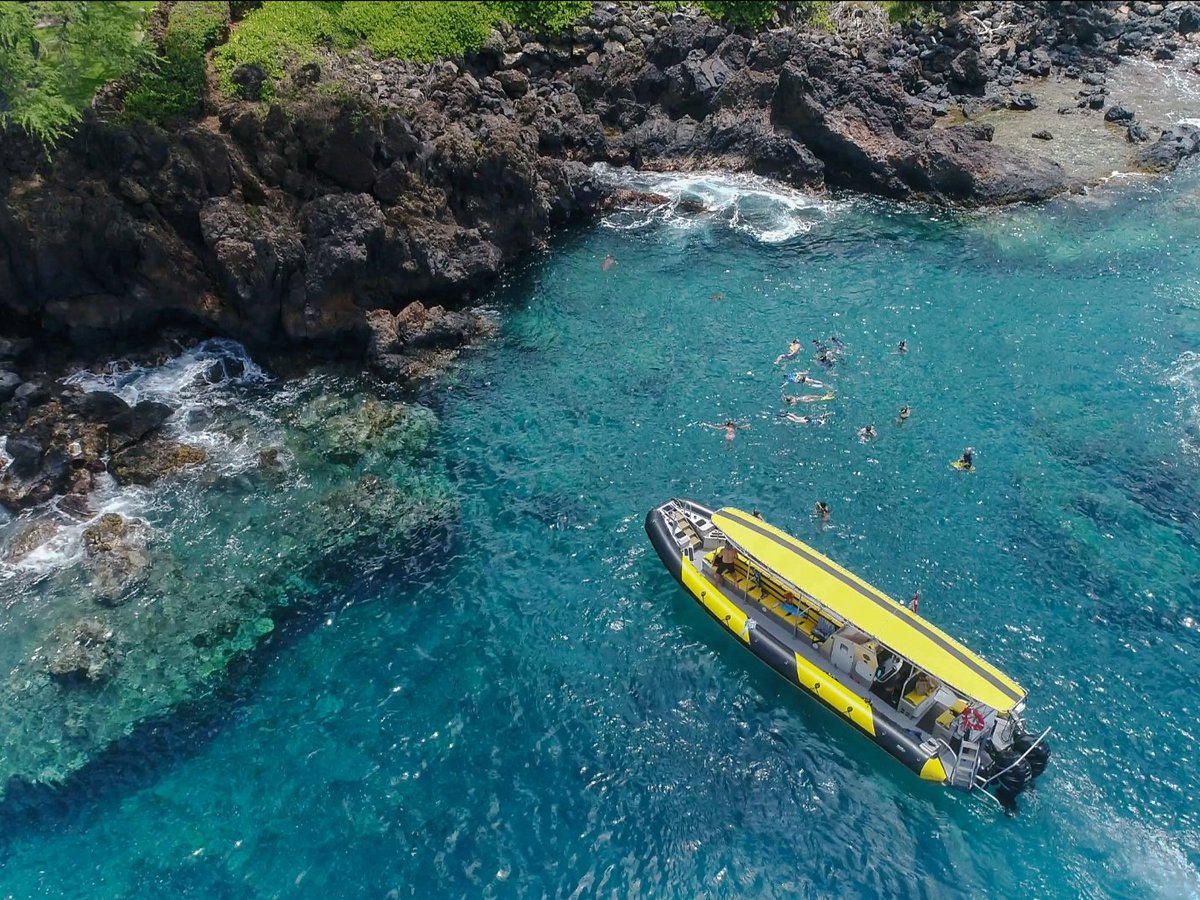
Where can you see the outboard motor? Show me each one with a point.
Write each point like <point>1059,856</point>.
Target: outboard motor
<point>1011,775</point>
<point>1037,758</point>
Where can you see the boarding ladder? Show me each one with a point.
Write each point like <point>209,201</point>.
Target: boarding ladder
<point>963,776</point>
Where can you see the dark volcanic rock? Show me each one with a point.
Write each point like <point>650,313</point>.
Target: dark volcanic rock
<point>1043,135</point>
<point>287,224</point>
<point>153,459</point>
<point>1118,114</point>
<point>135,423</point>
<point>418,341</point>
<point>9,382</point>
<point>1173,145</point>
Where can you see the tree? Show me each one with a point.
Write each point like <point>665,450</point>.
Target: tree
<point>53,56</point>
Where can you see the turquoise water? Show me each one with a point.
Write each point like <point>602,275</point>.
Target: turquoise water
<point>544,713</point>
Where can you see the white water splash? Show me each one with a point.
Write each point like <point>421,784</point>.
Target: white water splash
<point>180,378</point>
<point>1184,377</point>
<point>765,210</point>
<point>206,386</point>
<point>200,384</point>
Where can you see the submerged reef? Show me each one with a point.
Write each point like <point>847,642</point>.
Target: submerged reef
<point>119,614</point>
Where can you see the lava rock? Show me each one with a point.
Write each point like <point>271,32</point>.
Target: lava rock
<point>82,653</point>
<point>9,382</point>
<point>135,423</point>
<point>1043,135</point>
<point>1118,114</point>
<point>1174,145</point>
<point>1136,134</point>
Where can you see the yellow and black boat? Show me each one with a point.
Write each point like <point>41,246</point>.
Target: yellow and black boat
<point>946,713</point>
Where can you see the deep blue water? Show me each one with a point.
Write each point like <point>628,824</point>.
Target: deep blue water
<point>546,714</point>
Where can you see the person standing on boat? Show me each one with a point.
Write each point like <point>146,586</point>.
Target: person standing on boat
<point>915,601</point>
<point>726,559</point>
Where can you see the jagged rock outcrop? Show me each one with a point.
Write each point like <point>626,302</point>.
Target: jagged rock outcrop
<point>419,341</point>
<point>287,225</point>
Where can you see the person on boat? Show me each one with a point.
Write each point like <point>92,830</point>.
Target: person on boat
<point>727,558</point>
<point>866,434</point>
<point>915,601</point>
<point>798,419</point>
<point>967,461</point>
<point>904,413</point>
<point>903,348</point>
<point>822,510</point>
<point>609,262</point>
<point>792,351</point>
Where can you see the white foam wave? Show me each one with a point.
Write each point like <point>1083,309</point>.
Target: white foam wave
<point>202,384</point>
<point>64,545</point>
<point>765,210</point>
<point>179,378</point>
<point>1184,377</point>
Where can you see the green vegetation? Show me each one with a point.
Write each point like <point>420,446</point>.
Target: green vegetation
<point>921,10</point>
<point>174,86</point>
<point>53,56</point>
<point>281,31</point>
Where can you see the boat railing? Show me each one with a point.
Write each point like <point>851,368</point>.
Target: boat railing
<point>980,782</point>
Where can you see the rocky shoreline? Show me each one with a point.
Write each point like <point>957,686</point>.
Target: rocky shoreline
<point>369,185</point>
<point>358,213</point>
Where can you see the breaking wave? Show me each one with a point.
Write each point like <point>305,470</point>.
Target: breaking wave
<point>767,211</point>
<point>206,385</point>
<point>1184,377</point>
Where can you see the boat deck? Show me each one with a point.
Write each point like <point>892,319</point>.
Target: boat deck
<point>804,630</point>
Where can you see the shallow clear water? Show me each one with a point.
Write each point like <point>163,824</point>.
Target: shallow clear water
<point>546,713</point>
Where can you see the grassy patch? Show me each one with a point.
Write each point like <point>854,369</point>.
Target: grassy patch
<point>175,85</point>
<point>281,32</point>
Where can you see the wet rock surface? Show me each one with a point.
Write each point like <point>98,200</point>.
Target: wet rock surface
<point>420,341</point>
<point>287,224</point>
<point>130,610</point>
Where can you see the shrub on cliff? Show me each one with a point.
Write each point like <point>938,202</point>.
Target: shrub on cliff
<point>279,32</point>
<point>53,56</point>
<point>174,86</point>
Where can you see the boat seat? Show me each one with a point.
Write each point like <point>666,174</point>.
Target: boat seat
<point>823,629</point>
<point>951,712</point>
<point>917,700</point>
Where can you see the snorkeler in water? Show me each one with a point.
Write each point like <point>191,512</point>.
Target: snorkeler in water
<point>837,342</point>
<point>803,378</point>
<point>608,263</point>
<point>903,348</point>
<point>797,419</point>
<point>866,434</point>
<point>792,351</point>
<point>792,400</point>
<point>730,427</point>
<point>821,510</point>
<point>904,413</point>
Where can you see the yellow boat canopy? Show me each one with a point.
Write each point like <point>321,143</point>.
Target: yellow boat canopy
<point>849,597</point>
